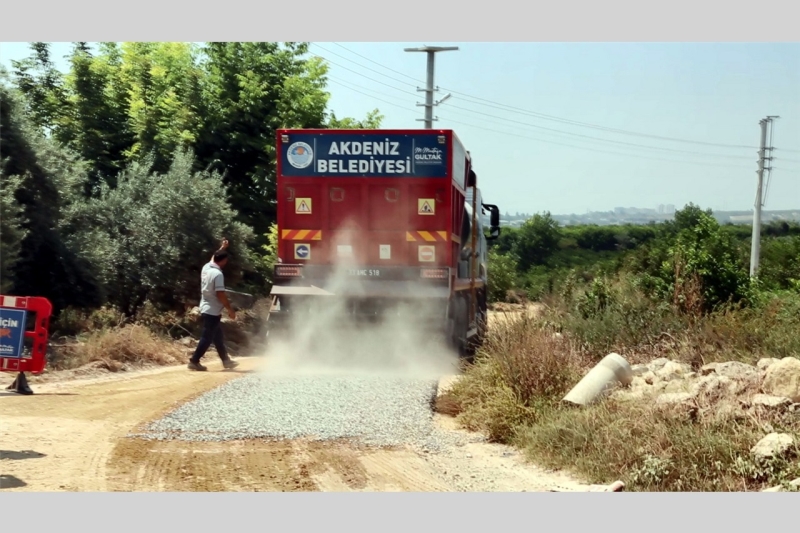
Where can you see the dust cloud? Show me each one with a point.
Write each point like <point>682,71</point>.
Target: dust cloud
<point>319,339</point>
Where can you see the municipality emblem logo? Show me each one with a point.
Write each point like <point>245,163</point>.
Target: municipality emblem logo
<point>300,155</point>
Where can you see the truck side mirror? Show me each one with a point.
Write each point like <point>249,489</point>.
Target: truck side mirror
<point>466,252</point>
<point>494,217</point>
<point>494,221</point>
<point>494,234</point>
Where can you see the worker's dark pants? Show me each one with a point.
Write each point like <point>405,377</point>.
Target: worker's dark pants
<point>212,334</point>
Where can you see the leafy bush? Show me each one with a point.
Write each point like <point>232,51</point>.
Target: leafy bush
<point>502,276</point>
<point>536,241</point>
<point>149,237</point>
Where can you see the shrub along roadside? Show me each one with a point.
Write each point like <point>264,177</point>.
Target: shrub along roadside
<point>617,315</point>
<point>513,393</point>
<point>106,338</point>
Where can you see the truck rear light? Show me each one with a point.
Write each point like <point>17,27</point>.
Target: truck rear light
<point>288,271</point>
<point>435,273</point>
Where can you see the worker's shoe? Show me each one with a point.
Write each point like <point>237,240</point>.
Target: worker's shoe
<point>230,365</point>
<point>196,366</point>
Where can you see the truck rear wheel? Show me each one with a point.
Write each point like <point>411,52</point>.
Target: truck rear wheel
<point>482,319</point>
<point>458,326</point>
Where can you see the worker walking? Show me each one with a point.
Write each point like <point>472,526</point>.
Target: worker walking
<point>212,301</point>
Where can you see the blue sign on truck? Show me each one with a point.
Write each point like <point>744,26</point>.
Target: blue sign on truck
<point>12,332</point>
<point>364,155</point>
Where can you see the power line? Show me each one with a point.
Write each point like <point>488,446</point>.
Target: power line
<point>604,128</point>
<point>595,139</point>
<point>541,127</point>
<point>363,75</point>
<point>379,64</point>
<point>559,119</point>
<point>786,170</point>
<point>598,127</point>
<point>362,66</point>
<point>603,140</point>
<point>371,96</point>
<point>592,139</point>
<point>591,149</point>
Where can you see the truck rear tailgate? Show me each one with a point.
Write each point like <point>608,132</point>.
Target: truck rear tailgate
<point>328,214</point>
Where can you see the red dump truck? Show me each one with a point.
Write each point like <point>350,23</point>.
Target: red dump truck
<point>378,219</point>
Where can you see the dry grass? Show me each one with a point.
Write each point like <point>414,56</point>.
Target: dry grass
<point>521,370</point>
<point>660,450</point>
<point>616,316</point>
<point>131,345</point>
<point>447,404</point>
<point>512,394</point>
<point>106,339</point>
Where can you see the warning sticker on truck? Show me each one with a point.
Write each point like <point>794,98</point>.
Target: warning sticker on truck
<point>302,206</point>
<point>426,206</point>
<point>427,254</point>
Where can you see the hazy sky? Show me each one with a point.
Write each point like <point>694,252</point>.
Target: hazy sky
<point>514,106</point>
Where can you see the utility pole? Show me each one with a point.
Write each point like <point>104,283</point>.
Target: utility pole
<point>755,245</point>
<point>429,90</point>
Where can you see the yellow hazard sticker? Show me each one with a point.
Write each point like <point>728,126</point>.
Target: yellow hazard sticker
<point>426,206</point>
<point>302,206</point>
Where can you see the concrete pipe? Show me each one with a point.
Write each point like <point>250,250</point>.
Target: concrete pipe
<point>612,369</point>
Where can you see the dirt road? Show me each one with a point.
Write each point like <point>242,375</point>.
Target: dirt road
<point>71,436</point>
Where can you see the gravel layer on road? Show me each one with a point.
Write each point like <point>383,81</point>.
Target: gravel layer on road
<point>373,410</point>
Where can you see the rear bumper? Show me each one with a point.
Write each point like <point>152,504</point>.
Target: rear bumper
<point>362,281</point>
<point>350,298</point>
<point>394,290</point>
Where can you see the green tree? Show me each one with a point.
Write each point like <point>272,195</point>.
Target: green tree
<point>779,267</point>
<point>504,244</point>
<point>696,257</point>
<point>597,238</point>
<point>149,236</point>
<point>690,217</point>
<point>42,85</point>
<point>95,124</point>
<point>12,232</point>
<point>372,121</point>
<point>165,109</point>
<point>537,240</point>
<point>270,255</point>
<point>502,275</point>
<point>253,89</point>
<point>43,177</point>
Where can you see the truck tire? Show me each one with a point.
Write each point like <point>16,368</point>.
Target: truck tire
<point>483,323</point>
<point>459,326</point>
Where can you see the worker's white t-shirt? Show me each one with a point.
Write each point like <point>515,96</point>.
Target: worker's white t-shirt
<point>211,281</point>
